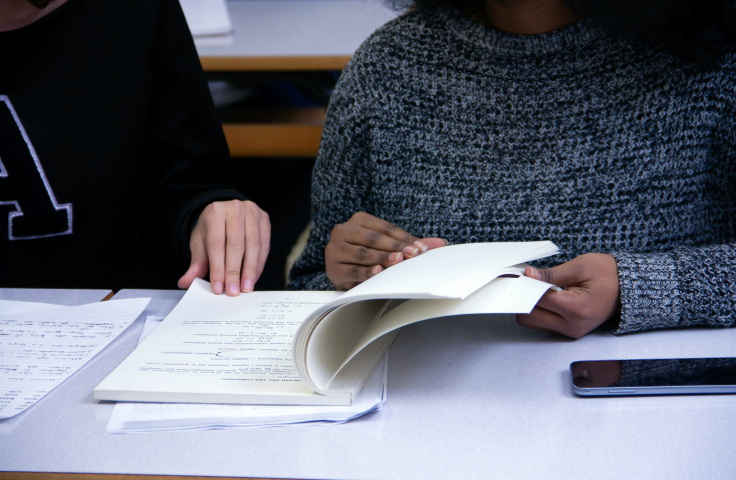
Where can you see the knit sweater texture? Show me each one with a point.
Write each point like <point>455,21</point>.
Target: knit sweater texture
<point>599,143</point>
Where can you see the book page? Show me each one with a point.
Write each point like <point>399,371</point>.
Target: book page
<point>42,345</point>
<point>334,337</point>
<point>500,296</point>
<point>219,349</point>
<point>450,272</point>
<point>130,417</point>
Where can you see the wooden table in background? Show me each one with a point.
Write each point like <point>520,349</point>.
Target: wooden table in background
<point>288,36</point>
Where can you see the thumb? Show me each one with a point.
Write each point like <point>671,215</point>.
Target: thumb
<point>199,266</point>
<point>562,275</point>
<point>434,242</point>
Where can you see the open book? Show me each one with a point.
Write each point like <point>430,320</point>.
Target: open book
<point>316,348</point>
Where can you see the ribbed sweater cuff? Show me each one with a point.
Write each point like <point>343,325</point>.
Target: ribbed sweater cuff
<point>650,292</point>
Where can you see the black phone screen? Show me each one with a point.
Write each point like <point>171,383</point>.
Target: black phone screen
<point>654,372</point>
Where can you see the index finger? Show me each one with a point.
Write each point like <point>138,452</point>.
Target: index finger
<point>370,222</point>
<point>365,237</point>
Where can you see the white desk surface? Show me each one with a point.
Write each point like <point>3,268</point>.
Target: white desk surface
<point>54,296</point>
<point>273,28</point>
<point>468,398</point>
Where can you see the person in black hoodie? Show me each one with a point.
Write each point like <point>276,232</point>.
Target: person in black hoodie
<point>108,133</point>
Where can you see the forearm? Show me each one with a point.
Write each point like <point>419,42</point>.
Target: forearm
<point>683,288</point>
<point>340,180</point>
<point>185,160</point>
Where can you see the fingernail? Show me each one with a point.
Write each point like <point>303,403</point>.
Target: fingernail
<point>395,257</point>
<point>376,270</point>
<point>446,242</point>
<point>218,288</point>
<point>233,290</point>
<point>534,273</point>
<point>410,251</point>
<point>422,246</point>
<point>248,285</point>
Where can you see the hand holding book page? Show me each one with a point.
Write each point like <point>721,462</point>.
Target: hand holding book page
<point>214,349</point>
<point>337,347</point>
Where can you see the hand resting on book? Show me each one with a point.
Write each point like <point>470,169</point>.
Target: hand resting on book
<point>365,245</point>
<point>231,241</point>
<point>591,296</point>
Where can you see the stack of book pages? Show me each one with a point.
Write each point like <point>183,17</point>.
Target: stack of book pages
<point>316,348</point>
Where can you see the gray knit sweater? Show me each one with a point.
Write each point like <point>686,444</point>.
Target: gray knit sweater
<point>599,144</point>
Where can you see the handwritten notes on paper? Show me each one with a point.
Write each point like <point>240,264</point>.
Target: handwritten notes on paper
<point>42,345</point>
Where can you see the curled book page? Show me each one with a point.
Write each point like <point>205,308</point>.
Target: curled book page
<point>316,348</point>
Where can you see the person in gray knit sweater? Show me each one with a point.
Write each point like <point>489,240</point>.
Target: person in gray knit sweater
<point>532,120</point>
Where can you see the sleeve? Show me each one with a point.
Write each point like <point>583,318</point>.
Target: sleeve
<point>341,180</point>
<point>186,162</point>
<point>689,286</point>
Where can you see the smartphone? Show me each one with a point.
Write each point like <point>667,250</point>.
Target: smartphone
<point>664,376</point>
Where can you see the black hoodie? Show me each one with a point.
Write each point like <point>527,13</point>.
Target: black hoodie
<point>107,131</point>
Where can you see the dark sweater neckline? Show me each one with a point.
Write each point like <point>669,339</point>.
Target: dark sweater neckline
<point>463,27</point>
